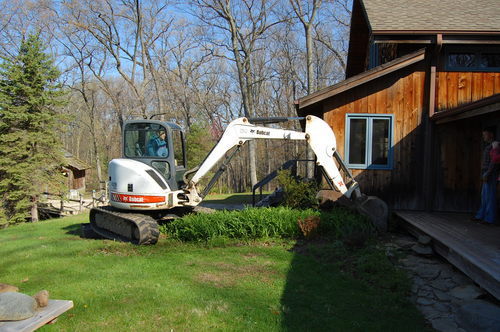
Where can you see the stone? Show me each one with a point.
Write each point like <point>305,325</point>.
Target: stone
<point>428,312</point>
<point>42,298</point>
<point>467,292</point>
<point>444,325</point>
<point>414,288</point>
<point>442,296</point>
<point>442,307</point>
<point>422,250</point>
<point>461,279</point>
<point>404,243</point>
<point>424,301</point>
<point>424,240</point>
<point>425,293</point>
<point>429,272</point>
<point>479,315</point>
<point>446,271</point>
<point>8,288</point>
<point>16,306</point>
<point>444,284</point>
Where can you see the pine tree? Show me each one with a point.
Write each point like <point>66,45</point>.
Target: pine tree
<point>30,152</point>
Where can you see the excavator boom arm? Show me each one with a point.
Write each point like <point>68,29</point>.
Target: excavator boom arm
<point>318,134</point>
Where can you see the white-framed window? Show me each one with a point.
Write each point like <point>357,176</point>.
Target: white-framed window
<point>369,141</point>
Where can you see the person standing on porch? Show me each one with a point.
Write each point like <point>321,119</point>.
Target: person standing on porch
<point>489,174</point>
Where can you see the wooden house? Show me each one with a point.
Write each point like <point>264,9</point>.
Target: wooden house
<point>76,172</point>
<point>422,82</point>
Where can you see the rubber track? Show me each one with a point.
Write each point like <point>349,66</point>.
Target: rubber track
<point>146,225</point>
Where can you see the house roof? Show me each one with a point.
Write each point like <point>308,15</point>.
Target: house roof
<point>362,78</point>
<point>399,16</point>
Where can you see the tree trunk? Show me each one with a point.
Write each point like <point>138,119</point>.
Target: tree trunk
<point>34,209</point>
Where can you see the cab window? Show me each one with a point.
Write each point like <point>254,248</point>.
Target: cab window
<point>178,148</point>
<point>145,140</point>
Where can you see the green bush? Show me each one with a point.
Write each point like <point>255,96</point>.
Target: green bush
<point>280,222</point>
<point>252,223</point>
<point>298,193</point>
<point>343,224</point>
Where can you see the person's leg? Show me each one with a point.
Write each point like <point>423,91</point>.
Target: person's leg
<point>480,214</point>
<point>490,202</point>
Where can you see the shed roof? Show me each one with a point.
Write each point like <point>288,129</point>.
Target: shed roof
<point>74,162</point>
<point>77,163</point>
<point>432,15</point>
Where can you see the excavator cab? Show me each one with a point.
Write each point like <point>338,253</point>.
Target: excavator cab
<point>158,144</point>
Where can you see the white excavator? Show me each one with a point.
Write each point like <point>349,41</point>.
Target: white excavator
<point>151,183</point>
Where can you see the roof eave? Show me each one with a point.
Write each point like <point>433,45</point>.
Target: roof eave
<point>362,78</point>
<point>434,32</point>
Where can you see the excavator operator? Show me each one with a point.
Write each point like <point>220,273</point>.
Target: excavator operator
<point>157,146</point>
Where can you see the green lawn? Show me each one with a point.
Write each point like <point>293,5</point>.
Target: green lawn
<point>258,286</point>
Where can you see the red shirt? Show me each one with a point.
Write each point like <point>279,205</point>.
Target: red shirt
<point>495,156</point>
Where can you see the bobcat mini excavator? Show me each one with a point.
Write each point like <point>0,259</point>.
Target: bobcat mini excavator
<point>150,183</point>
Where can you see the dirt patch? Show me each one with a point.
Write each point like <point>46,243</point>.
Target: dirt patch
<point>219,280</point>
<point>117,251</point>
<point>227,274</point>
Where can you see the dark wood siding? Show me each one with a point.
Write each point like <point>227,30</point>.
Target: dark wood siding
<point>358,42</point>
<point>460,146</point>
<point>400,94</point>
<point>458,88</point>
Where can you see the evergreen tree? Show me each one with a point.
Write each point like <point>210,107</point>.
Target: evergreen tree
<point>30,152</point>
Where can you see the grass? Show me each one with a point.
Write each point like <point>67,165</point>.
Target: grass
<point>268,285</point>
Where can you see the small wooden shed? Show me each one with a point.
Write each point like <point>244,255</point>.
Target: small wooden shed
<point>76,171</point>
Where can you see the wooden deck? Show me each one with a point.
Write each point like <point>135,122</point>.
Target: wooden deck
<point>471,247</point>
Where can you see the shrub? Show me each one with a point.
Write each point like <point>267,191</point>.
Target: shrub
<point>252,223</point>
<point>298,193</point>
<point>280,222</point>
<point>343,224</point>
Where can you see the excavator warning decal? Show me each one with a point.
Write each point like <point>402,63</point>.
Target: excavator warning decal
<point>136,198</point>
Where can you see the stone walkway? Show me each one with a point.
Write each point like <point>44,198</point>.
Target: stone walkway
<point>447,298</point>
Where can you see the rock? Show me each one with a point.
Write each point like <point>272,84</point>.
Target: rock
<point>444,284</point>
<point>428,312</point>
<point>8,288</point>
<point>404,243</point>
<point>479,315</point>
<point>425,293</point>
<point>466,293</point>
<point>461,279</point>
<point>422,250</point>
<point>16,306</point>
<point>42,298</point>
<point>441,307</point>
<point>444,325</point>
<point>424,301</point>
<point>442,296</point>
<point>429,272</point>
<point>424,240</point>
<point>446,271</point>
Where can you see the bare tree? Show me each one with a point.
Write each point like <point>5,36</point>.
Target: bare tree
<point>238,28</point>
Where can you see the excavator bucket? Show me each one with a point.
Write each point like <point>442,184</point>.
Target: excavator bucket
<point>375,209</point>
